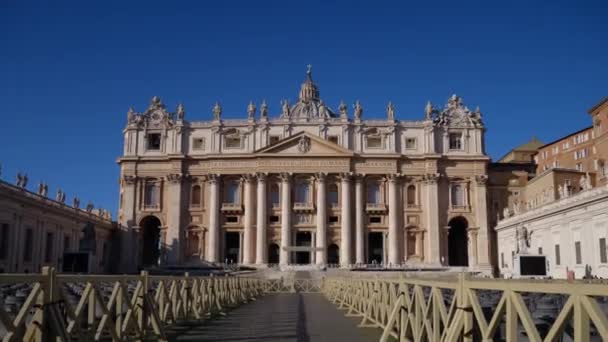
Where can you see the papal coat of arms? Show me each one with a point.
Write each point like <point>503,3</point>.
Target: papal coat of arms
<point>304,144</point>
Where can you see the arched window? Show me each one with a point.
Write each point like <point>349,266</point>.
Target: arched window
<point>274,194</point>
<point>411,195</point>
<point>195,199</point>
<point>458,195</point>
<point>332,194</point>
<point>373,193</point>
<point>232,192</point>
<point>303,192</point>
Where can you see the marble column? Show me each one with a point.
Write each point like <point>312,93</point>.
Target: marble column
<point>431,208</point>
<point>481,215</point>
<point>284,255</point>
<point>261,256</point>
<point>248,232</point>
<point>321,235</point>
<point>393,220</point>
<point>472,245</point>
<point>345,229</point>
<point>173,238</point>
<point>213,254</point>
<point>359,224</point>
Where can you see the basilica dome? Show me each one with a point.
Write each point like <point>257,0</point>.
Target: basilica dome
<point>309,105</point>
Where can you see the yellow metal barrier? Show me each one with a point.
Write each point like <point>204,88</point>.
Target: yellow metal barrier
<point>449,310</point>
<point>94,307</point>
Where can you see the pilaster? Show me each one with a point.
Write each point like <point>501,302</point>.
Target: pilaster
<point>214,216</point>
<point>394,236</point>
<point>359,218</point>
<point>248,232</point>
<point>345,229</point>
<point>285,218</point>
<point>173,237</point>
<point>481,215</point>
<point>261,228</point>
<point>434,250</point>
<point>321,234</point>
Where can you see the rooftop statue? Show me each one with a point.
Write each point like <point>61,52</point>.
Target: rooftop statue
<point>264,110</point>
<point>390,111</point>
<point>217,111</point>
<point>358,110</point>
<point>180,112</point>
<point>251,110</point>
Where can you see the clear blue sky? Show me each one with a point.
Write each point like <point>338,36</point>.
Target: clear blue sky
<point>70,70</point>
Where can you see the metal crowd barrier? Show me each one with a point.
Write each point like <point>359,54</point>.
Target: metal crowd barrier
<point>37,307</point>
<point>410,309</point>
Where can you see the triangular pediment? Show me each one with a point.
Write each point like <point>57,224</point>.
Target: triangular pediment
<point>304,144</point>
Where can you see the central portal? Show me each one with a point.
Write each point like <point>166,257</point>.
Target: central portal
<point>303,239</point>
<point>233,246</point>
<point>375,248</point>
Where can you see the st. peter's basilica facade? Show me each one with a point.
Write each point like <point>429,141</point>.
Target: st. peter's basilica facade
<point>308,186</point>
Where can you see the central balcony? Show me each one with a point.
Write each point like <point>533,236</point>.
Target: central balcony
<point>303,206</point>
<point>232,207</point>
<point>375,207</point>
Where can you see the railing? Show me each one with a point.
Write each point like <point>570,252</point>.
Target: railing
<point>451,310</point>
<point>94,307</point>
<point>282,285</point>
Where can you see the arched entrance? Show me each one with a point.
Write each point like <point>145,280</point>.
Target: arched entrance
<point>273,253</point>
<point>458,251</point>
<point>150,230</point>
<point>333,254</point>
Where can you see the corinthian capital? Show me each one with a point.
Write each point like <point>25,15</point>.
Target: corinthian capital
<point>261,176</point>
<point>345,176</point>
<point>213,178</point>
<point>432,178</point>
<point>129,179</point>
<point>321,176</point>
<point>285,177</point>
<point>174,178</point>
<point>393,177</point>
<point>481,179</point>
<point>248,178</point>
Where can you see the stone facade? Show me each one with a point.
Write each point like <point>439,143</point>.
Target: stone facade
<point>310,185</point>
<point>36,231</point>
<point>599,117</point>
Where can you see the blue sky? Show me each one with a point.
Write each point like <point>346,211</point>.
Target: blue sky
<point>70,70</point>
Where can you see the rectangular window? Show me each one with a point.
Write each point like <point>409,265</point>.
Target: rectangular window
<point>577,252</point>
<point>232,219</point>
<point>273,219</point>
<point>410,143</point>
<point>375,219</point>
<point>603,251</point>
<point>333,219</point>
<point>233,142</point>
<point>153,142</point>
<point>273,139</point>
<point>151,195</point>
<point>374,142</point>
<point>29,245</point>
<point>66,243</point>
<point>4,239</point>
<point>455,141</point>
<point>579,167</point>
<point>48,253</point>
<point>333,139</point>
<point>198,144</point>
<point>540,251</point>
<point>558,259</point>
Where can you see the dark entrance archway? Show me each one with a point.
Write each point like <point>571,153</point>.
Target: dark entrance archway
<point>333,254</point>
<point>233,246</point>
<point>458,251</point>
<point>273,253</point>
<point>150,230</point>
<point>375,248</point>
<point>303,239</point>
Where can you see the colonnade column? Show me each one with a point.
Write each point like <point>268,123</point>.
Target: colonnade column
<point>214,216</point>
<point>285,218</point>
<point>173,238</point>
<point>321,236</point>
<point>434,252</point>
<point>345,230</point>
<point>248,233</point>
<point>261,256</point>
<point>359,226</point>
<point>129,242</point>
<point>393,220</point>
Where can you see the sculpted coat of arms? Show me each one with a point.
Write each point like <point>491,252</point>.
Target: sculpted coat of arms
<point>304,144</point>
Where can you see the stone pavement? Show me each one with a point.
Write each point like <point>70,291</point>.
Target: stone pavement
<point>279,317</point>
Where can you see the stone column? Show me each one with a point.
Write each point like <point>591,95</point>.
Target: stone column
<point>213,241</point>
<point>313,243</point>
<point>359,217</point>
<point>481,215</point>
<point>472,245</point>
<point>434,250</point>
<point>262,216</point>
<point>345,229</point>
<point>241,255</point>
<point>285,218</point>
<point>321,236</point>
<point>128,239</point>
<point>173,238</point>
<point>248,232</point>
<point>393,220</point>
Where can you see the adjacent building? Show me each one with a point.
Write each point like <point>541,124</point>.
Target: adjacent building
<point>309,185</point>
<point>599,117</point>
<point>523,153</point>
<point>38,231</point>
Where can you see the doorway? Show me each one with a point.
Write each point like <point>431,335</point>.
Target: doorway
<point>303,239</point>
<point>150,226</point>
<point>458,251</point>
<point>375,248</point>
<point>232,249</point>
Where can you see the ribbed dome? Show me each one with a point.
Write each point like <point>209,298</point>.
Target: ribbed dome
<point>309,105</point>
